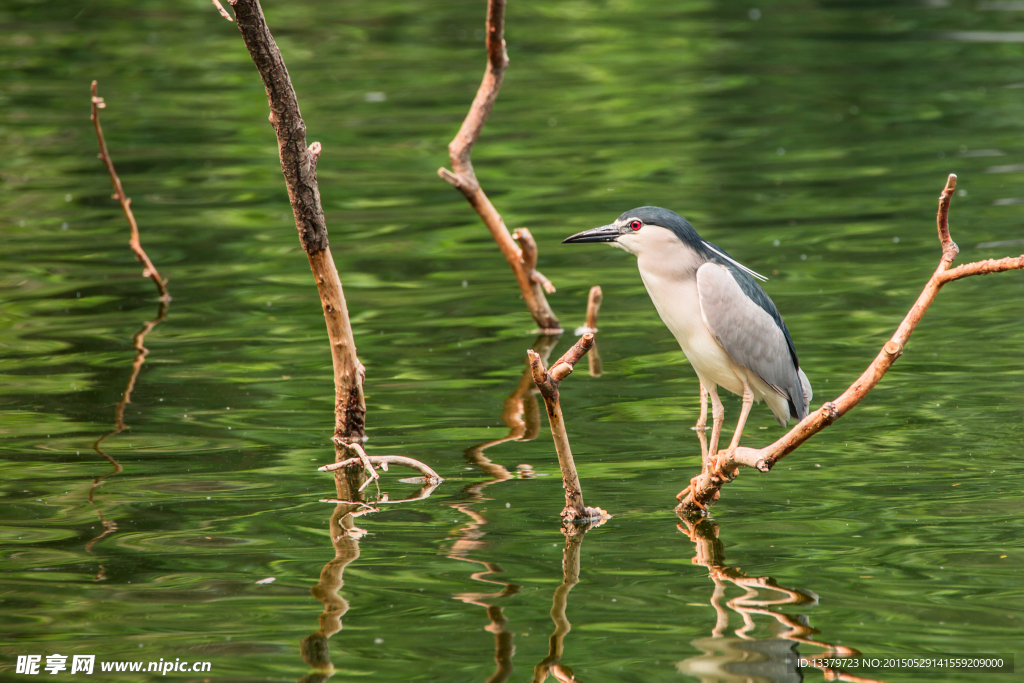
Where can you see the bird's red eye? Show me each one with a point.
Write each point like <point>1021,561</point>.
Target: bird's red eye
<point>635,225</point>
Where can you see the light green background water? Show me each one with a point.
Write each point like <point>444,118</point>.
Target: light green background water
<point>812,143</point>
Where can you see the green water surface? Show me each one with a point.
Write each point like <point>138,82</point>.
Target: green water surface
<point>810,139</point>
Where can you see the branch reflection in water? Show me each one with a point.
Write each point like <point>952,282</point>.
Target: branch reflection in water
<point>350,483</point>
<point>150,271</point>
<point>552,664</point>
<point>746,659</point>
<point>521,414</point>
<point>138,343</point>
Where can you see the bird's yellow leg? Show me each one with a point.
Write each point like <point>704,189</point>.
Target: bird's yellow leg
<point>748,402</point>
<point>702,421</point>
<point>704,456</point>
<point>717,418</point>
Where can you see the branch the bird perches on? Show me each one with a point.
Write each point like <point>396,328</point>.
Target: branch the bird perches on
<point>704,488</point>
<point>548,382</point>
<point>522,258</point>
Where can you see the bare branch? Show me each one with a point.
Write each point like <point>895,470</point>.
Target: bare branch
<point>548,381</point>
<point>149,270</point>
<point>223,12</point>
<point>593,306</point>
<point>299,165</point>
<point>563,367</point>
<point>949,248</point>
<point>704,488</point>
<point>531,283</point>
<point>529,249</point>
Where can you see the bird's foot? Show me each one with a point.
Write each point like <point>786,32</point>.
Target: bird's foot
<point>693,486</point>
<point>722,468</point>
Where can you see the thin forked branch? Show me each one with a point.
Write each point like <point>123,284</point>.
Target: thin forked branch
<point>704,488</point>
<point>522,258</point>
<point>149,270</point>
<point>548,381</point>
<point>382,461</point>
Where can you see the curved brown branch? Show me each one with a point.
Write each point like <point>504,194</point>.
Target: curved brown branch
<point>299,165</point>
<point>548,381</point>
<point>528,246</point>
<point>149,270</point>
<point>704,488</point>
<point>531,283</point>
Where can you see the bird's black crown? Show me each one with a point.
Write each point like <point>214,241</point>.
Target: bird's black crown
<point>670,220</point>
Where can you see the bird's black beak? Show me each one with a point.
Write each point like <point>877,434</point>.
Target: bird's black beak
<point>606,233</point>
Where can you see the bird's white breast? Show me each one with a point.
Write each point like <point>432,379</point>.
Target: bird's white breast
<point>669,273</point>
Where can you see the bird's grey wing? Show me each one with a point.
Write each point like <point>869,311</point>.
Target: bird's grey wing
<point>749,334</point>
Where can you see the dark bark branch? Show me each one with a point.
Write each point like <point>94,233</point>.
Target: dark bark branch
<point>149,269</point>
<point>298,162</point>
<point>531,283</point>
<point>528,246</point>
<point>704,488</point>
<point>548,381</point>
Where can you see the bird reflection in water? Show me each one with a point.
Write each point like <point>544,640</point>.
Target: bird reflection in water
<point>744,658</point>
<point>138,343</point>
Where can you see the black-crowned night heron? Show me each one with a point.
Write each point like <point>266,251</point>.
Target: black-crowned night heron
<point>729,329</point>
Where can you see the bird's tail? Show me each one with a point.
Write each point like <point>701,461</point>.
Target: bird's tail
<point>805,385</point>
